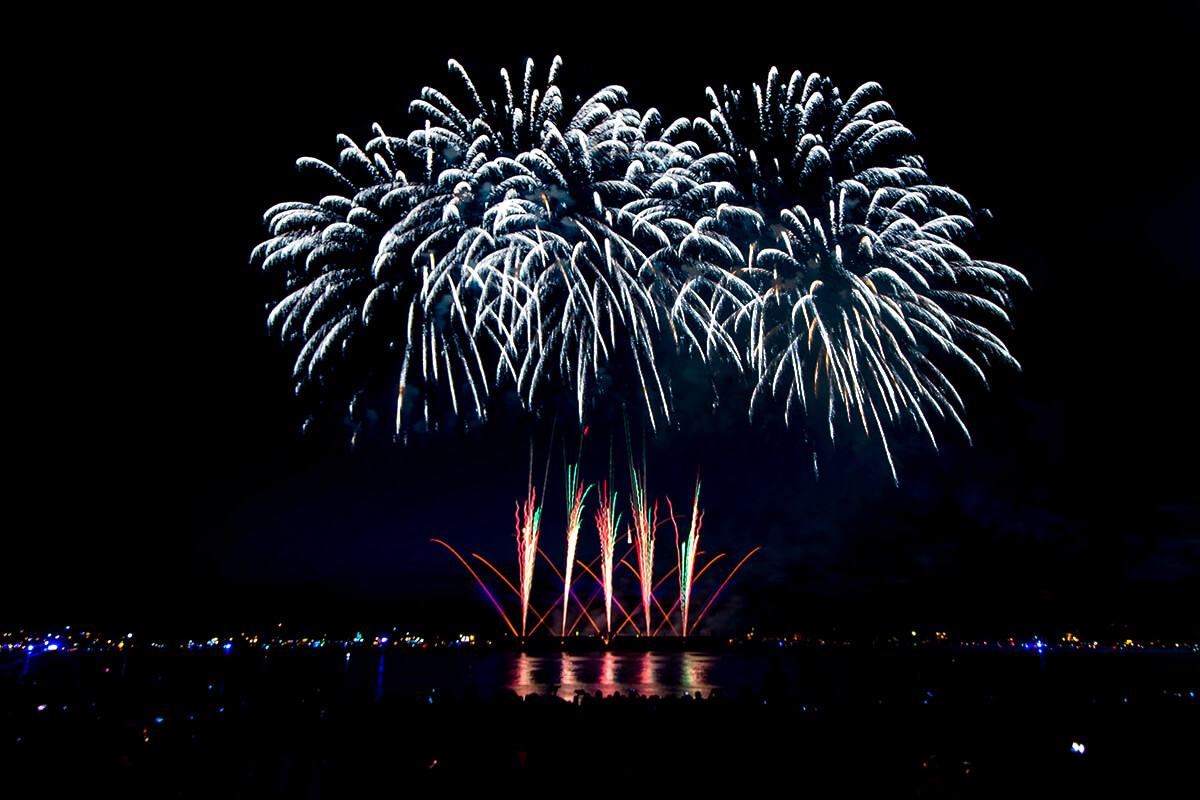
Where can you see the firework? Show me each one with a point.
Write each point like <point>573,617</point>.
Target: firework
<point>529,521</point>
<point>482,585</point>
<point>686,553</point>
<point>864,291</point>
<point>644,523</point>
<point>536,243</point>
<point>576,492</point>
<point>728,578</point>
<point>607,526</point>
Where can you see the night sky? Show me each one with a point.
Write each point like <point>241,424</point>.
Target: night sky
<point>161,479</point>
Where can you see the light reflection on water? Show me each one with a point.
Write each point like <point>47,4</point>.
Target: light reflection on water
<point>611,673</point>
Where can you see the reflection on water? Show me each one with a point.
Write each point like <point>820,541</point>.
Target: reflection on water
<point>569,674</point>
<point>608,668</point>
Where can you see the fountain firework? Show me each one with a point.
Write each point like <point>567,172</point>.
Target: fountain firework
<point>529,521</point>
<point>608,520</point>
<point>644,522</point>
<point>686,553</point>
<point>607,526</point>
<point>576,492</point>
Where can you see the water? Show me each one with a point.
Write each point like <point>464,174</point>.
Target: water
<point>816,675</point>
<point>331,722</point>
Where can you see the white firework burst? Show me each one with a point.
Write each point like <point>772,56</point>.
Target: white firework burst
<point>536,243</point>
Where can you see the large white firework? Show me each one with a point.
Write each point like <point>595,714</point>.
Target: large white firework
<point>865,293</point>
<point>538,244</point>
<point>527,239</point>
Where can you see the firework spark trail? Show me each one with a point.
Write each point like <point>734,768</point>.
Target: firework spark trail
<point>666,614</point>
<point>585,606</point>
<point>644,522</point>
<point>607,526</point>
<point>515,591</point>
<point>695,578</point>
<point>621,608</point>
<point>722,586</point>
<point>529,521</point>
<point>480,582</point>
<point>576,492</point>
<point>686,552</point>
<point>571,589</point>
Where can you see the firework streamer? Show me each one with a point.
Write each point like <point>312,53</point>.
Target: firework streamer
<point>576,492</point>
<point>728,578</point>
<point>529,521</point>
<point>644,522</point>
<point>607,525</point>
<point>686,552</point>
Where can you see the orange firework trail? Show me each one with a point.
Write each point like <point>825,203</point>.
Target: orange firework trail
<point>655,588</point>
<point>722,586</point>
<point>621,608</point>
<point>695,578</point>
<point>480,582</point>
<point>508,583</point>
<point>571,590</point>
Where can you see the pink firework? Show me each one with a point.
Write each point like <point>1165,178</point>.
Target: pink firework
<point>644,522</point>
<point>575,495</point>
<point>607,525</point>
<point>686,553</point>
<point>529,521</point>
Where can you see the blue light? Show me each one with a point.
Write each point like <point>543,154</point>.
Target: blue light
<point>228,646</point>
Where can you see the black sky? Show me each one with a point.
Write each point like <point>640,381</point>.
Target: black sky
<point>162,478</point>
